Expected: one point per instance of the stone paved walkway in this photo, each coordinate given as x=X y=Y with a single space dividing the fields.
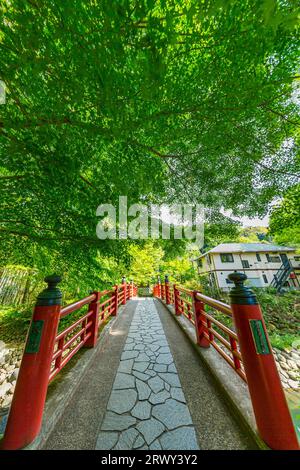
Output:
x=147 y=407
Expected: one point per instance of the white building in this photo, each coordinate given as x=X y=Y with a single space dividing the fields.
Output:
x=264 y=264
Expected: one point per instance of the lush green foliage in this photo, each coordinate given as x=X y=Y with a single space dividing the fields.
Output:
x=159 y=100
x=146 y=262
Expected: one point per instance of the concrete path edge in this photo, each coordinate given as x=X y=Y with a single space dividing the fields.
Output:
x=233 y=389
x=64 y=391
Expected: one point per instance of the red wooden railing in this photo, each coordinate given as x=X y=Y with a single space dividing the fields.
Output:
x=84 y=331
x=47 y=352
x=218 y=335
x=247 y=350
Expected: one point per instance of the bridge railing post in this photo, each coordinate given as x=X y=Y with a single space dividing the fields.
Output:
x=176 y=300
x=124 y=285
x=26 y=412
x=167 y=290
x=200 y=322
x=116 y=300
x=94 y=307
x=270 y=407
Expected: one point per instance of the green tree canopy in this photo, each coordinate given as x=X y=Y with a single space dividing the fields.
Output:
x=160 y=100
x=146 y=262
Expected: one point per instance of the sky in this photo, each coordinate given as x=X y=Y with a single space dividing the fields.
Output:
x=255 y=222
x=245 y=221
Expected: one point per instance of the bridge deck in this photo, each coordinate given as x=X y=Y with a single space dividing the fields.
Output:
x=147 y=390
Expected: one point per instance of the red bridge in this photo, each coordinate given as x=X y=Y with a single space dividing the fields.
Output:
x=151 y=389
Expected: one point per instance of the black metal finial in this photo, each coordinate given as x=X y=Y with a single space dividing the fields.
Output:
x=241 y=294
x=52 y=295
x=166 y=278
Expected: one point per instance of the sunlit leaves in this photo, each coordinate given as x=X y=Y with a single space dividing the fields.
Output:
x=171 y=99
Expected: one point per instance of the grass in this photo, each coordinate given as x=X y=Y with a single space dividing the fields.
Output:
x=285 y=341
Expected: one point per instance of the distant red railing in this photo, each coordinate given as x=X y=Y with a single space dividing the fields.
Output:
x=47 y=352
x=84 y=331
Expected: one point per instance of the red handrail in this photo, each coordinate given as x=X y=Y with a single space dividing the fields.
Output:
x=70 y=340
x=183 y=298
x=76 y=305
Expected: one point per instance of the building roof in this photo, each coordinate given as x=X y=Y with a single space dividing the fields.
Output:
x=247 y=248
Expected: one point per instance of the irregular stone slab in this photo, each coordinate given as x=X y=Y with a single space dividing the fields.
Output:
x=164 y=359
x=142 y=410
x=151 y=372
x=177 y=394
x=134 y=336
x=123 y=381
x=139 y=442
x=172 y=413
x=128 y=340
x=160 y=397
x=155 y=445
x=162 y=342
x=106 y=440
x=150 y=429
x=126 y=366
x=127 y=439
x=142 y=357
x=114 y=422
x=129 y=347
x=156 y=384
x=121 y=401
x=160 y=368
x=143 y=389
x=180 y=439
x=129 y=355
x=141 y=366
x=171 y=378
x=141 y=375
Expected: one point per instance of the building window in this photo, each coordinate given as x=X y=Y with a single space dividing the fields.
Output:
x=265 y=278
x=245 y=263
x=297 y=258
x=273 y=259
x=227 y=258
x=258 y=257
x=200 y=263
